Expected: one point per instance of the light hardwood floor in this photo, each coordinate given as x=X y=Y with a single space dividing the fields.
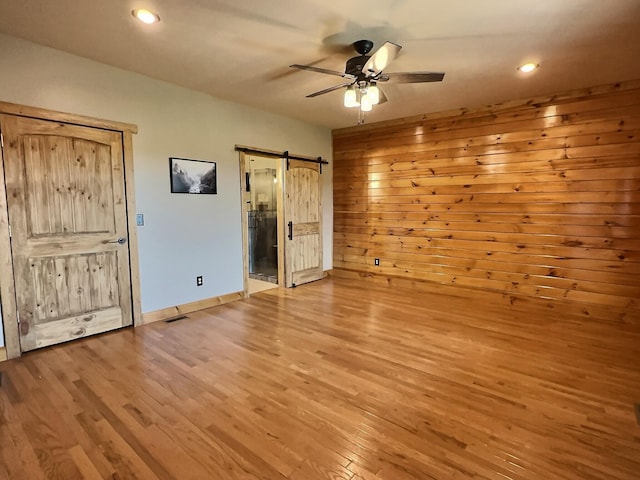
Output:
x=257 y=286
x=338 y=379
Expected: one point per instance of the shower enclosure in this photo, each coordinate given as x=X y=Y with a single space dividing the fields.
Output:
x=263 y=224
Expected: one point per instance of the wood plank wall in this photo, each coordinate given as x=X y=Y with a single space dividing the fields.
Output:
x=537 y=198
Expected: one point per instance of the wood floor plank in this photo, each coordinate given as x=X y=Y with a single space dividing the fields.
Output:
x=339 y=379
x=84 y=464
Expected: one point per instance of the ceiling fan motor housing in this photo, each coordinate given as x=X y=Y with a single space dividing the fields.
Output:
x=363 y=46
x=356 y=64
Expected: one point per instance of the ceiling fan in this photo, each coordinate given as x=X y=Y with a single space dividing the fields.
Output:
x=365 y=71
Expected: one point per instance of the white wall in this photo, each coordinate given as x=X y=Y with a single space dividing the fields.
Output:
x=184 y=235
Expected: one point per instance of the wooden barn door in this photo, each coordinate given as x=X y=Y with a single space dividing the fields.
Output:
x=303 y=222
x=68 y=222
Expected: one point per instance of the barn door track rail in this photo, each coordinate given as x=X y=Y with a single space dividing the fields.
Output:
x=286 y=155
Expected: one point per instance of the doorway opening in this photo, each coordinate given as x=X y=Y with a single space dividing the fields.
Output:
x=281 y=219
x=262 y=201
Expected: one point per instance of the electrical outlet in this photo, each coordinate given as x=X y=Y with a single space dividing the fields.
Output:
x=376 y=262
x=139 y=219
x=199 y=281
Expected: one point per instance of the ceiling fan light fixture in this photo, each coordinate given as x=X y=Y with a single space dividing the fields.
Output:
x=365 y=103
x=145 y=16
x=528 y=67
x=362 y=73
x=350 y=98
x=373 y=93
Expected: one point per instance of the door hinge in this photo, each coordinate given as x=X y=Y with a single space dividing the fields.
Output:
x=9 y=231
x=18 y=316
x=1 y=140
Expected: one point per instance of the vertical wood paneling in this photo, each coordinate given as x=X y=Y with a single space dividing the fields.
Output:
x=50 y=298
x=38 y=281
x=79 y=165
x=100 y=210
x=64 y=185
x=84 y=281
x=94 y=283
x=39 y=215
x=74 y=282
x=64 y=178
x=533 y=199
x=62 y=286
x=71 y=285
x=101 y=280
x=56 y=151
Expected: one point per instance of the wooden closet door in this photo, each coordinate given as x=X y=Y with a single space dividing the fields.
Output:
x=303 y=222
x=67 y=214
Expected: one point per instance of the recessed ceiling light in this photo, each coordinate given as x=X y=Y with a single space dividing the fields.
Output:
x=145 y=16
x=528 y=67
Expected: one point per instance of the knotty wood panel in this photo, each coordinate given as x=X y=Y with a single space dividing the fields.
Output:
x=7 y=286
x=537 y=198
x=303 y=211
x=66 y=203
x=348 y=378
x=71 y=285
x=68 y=192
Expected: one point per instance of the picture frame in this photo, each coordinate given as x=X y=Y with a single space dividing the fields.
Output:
x=193 y=176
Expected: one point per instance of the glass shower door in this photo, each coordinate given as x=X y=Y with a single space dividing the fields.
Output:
x=263 y=226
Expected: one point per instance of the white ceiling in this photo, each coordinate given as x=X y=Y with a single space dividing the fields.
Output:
x=240 y=50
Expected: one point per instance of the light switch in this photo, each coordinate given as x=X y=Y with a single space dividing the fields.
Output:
x=139 y=219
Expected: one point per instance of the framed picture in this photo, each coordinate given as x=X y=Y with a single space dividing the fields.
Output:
x=192 y=176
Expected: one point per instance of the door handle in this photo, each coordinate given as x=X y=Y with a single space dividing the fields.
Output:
x=290 y=230
x=120 y=241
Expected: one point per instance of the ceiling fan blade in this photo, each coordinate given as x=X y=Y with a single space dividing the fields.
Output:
x=381 y=59
x=330 y=89
x=411 y=77
x=322 y=70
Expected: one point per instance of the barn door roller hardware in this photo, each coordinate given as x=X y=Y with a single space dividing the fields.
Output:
x=286 y=155
x=318 y=160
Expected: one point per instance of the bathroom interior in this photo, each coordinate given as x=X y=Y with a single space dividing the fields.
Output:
x=263 y=219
